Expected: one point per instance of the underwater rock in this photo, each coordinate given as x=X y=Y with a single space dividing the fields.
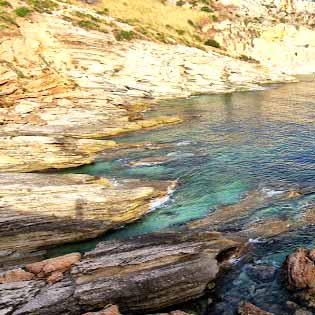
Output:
x=144 y=273
x=41 y=210
x=261 y=273
x=299 y=270
x=150 y=161
x=246 y=308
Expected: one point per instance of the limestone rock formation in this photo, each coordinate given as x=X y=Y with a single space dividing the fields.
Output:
x=41 y=210
x=143 y=273
x=63 y=87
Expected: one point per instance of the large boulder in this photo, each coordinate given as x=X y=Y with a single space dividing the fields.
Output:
x=299 y=269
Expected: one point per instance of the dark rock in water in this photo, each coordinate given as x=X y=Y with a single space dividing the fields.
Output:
x=297 y=310
x=141 y=274
x=299 y=269
x=261 y=273
x=250 y=309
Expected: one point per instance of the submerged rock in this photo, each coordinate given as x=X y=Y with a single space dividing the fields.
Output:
x=250 y=309
x=261 y=273
x=140 y=274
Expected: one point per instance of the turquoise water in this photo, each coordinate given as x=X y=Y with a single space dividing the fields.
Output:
x=229 y=145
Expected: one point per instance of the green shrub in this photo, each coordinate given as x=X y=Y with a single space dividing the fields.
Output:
x=206 y=9
x=43 y=5
x=215 y=18
x=180 y=32
x=105 y=11
x=22 y=11
x=7 y=19
x=4 y=3
x=124 y=35
x=180 y=3
x=89 y=25
x=212 y=43
x=248 y=59
x=190 y=22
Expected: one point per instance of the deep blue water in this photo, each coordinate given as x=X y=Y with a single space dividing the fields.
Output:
x=228 y=145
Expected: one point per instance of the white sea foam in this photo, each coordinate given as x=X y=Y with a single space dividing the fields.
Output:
x=160 y=202
x=256 y=240
x=271 y=192
x=183 y=143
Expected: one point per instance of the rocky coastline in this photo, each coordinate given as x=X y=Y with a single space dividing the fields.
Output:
x=66 y=92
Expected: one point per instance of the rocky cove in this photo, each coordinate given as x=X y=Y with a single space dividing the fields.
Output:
x=98 y=132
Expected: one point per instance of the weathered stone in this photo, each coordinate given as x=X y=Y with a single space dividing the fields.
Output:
x=109 y=310
x=15 y=275
x=138 y=274
x=55 y=277
x=40 y=210
x=250 y=309
x=61 y=263
x=299 y=270
x=53 y=299
x=149 y=272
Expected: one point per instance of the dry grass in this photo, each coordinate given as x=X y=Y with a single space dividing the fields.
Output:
x=153 y=18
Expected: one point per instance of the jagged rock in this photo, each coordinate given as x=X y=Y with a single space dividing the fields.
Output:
x=14 y=294
x=149 y=272
x=138 y=274
x=299 y=270
x=40 y=210
x=250 y=309
x=53 y=299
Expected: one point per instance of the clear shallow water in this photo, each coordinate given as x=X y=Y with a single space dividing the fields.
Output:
x=229 y=145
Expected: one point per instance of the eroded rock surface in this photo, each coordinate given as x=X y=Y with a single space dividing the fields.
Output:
x=140 y=274
x=299 y=269
x=40 y=210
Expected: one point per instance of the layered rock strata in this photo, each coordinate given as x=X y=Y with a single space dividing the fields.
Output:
x=140 y=274
x=41 y=210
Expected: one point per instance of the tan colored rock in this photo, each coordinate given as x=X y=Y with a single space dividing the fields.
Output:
x=15 y=275
x=250 y=309
x=41 y=210
x=299 y=269
x=61 y=263
x=55 y=277
x=109 y=310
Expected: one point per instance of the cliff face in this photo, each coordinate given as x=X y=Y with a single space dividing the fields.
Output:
x=65 y=83
x=278 y=39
